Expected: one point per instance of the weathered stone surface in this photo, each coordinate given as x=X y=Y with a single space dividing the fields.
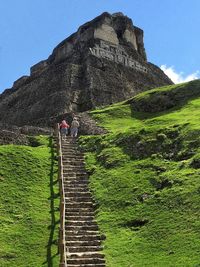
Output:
x=11 y=134
x=9 y=137
x=102 y=63
x=88 y=125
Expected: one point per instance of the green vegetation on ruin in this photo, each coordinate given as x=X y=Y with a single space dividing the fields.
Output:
x=145 y=176
x=29 y=204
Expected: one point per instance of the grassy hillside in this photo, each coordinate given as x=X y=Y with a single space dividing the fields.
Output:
x=28 y=205
x=145 y=177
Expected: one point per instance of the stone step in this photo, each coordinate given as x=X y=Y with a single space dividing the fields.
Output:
x=73 y=158
x=77 y=159
x=76 y=190
x=80 y=218
x=81 y=228
x=83 y=243
x=76 y=179
x=78 y=199
x=80 y=223
x=84 y=202
x=77 y=186
x=83 y=237
x=70 y=169
x=68 y=156
x=81 y=261
x=84 y=249
x=71 y=174
x=73 y=162
x=75 y=183
x=85 y=255
x=79 y=194
x=66 y=144
x=79 y=174
x=82 y=213
x=79 y=205
x=70 y=147
x=71 y=150
x=69 y=142
x=79 y=232
x=74 y=173
x=74 y=167
x=79 y=209
x=70 y=179
x=87 y=265
x=70 y=139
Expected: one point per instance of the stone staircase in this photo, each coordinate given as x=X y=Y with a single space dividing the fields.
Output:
x=83 y=241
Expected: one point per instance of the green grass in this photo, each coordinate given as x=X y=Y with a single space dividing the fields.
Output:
x=28 y=205
x=145 y=177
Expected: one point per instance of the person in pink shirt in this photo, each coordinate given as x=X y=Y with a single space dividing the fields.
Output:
x=64 y=129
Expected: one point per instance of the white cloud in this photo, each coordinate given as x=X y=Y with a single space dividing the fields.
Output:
x=179 y=77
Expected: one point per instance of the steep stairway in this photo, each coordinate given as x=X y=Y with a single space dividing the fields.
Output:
x=83 y=241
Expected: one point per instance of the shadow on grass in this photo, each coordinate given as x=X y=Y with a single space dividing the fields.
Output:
x=142 y=115
x=151 y=115
x=51 y=246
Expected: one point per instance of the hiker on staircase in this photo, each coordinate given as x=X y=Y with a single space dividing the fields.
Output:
x=74 y=127
x=64 y=129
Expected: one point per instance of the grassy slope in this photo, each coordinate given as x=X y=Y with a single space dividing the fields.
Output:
x=27 y=204
x=145 y=177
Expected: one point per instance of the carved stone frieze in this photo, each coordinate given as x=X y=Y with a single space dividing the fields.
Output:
x=116 y=54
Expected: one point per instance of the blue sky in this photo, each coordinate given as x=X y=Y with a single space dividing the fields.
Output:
x=30 y=29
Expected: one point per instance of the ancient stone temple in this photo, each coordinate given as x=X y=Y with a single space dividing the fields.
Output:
x=102 y=63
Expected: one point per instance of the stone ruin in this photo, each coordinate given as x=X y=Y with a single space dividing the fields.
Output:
x=102 y=63
x=11 y=134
